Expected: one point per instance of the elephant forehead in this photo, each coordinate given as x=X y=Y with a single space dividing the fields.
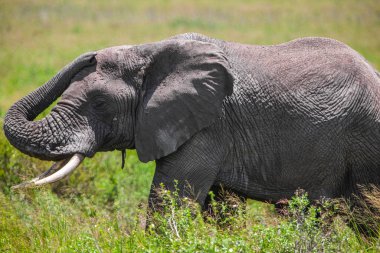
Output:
x=112 y=55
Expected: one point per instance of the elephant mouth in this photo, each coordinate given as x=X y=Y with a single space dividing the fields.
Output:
x=55 y=173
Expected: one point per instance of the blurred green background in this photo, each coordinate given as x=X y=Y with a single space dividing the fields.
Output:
x=38 y=37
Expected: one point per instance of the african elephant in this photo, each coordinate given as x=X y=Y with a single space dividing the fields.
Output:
x=259 y=120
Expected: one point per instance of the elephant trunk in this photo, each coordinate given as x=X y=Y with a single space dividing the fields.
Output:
x=36 y=138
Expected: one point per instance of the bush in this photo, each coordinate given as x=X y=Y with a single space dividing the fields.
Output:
x=362 y=212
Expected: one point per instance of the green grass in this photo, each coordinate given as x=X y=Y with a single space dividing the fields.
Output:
x=100 y=208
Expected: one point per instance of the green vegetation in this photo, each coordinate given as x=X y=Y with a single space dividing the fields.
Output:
x=101 y=208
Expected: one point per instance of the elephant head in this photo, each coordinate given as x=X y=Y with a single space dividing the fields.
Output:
x=151 y=97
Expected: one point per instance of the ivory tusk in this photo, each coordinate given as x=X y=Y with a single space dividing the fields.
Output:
x=74 y=162
x=58 y=171
x=55 y=167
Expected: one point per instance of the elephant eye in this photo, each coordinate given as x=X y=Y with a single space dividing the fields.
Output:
x=100 y=105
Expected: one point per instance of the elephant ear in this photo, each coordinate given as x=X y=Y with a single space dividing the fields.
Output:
x=183 y=90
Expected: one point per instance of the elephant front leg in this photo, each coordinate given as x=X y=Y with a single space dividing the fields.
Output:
x=194 y=186
x=191 y=170
x=187 y=179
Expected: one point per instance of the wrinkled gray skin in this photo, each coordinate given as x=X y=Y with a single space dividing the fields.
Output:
x=259 y=120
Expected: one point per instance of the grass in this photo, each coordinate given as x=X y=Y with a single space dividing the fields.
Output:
x=100 y=208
